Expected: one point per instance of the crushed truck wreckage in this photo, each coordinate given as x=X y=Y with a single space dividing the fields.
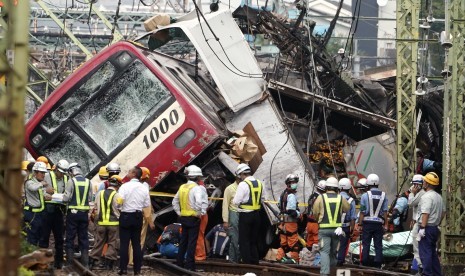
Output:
x=187 y=101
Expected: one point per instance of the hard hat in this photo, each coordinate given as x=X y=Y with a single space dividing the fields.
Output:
x=145 y=172
x=321 y=185
x=74 y=169
x=341 y=51
x=102 y=172
x=72 y=165
x=62 y=166
x=291 y=178
x=193 y=170
x=24 y=165
x=113 y=168
x=241 y=168
x=345 y=184
x=42 y=159
x=431 y=178
x=40 y=167
x=362 y=183
x=332 y=182
x=417 y=179
x=48 y=166
x=115 y=180
x=372 y=180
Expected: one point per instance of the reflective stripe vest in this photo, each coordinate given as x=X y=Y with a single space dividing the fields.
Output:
x=332 y=212
x=41 y=198
x=106 y=214
x=375 y=203
x=255 y=195
x=186 y=209
x=79 y=200
x=53 y=177
x=346 y=222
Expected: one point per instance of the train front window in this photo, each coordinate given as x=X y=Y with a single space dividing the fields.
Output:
x=69 y=144
x=79 y=97
x=118 y=112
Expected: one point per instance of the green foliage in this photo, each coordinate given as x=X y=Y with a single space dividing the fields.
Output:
x=26 y=247
x=22 y=271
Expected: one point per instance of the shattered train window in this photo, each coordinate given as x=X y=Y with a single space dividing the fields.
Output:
x=68 y=145
x=101 y=77
x=129 y=100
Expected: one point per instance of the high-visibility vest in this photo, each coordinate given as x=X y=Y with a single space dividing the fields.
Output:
x=255 y=195
x=332 y=213
x=79 y=200
x=41 y=198
x=106 y=214
x=346 y=223
x=186 y=209
x=375 y=203
x=53 y=177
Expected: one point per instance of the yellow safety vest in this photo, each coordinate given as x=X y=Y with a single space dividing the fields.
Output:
x=80 y=202
x=53 y=177
x=186 y=209
x=105 y=209
x=332 y=212
x=255 y=196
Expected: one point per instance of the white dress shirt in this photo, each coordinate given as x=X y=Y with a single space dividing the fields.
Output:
x=135 y=196
x=198 y=200
x=243 y=194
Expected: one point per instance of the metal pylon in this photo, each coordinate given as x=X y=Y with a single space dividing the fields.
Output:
x=407 y=56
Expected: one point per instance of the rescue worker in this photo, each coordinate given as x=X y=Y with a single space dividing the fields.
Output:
x=289 y=215
x=248 y=198
x=112 y=169
x=103 y=176
x=432 y=211
x=328 y=209
x=200 y=250
x=373 y=215
x=361 y=186
x=312 y=221
x=54 y=213
x=231 y=221
x=168 y=242
x=348 y=220
x=425 y=165
x=77 y=194
x=190 y=203
x=147 y=212
x=217 y=242
x=107 y=214
x=399 y=213
x=134 y=197
x=24 y=170
x=34 y=204
x=413 y=201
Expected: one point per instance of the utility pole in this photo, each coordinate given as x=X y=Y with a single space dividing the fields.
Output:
x=453 y=177
x=407 y=56
x=14 y=55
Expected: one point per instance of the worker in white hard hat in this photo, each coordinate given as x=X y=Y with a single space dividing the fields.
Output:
x=348 y=220
x=373 y=220
x=53 y=221
x=249 y=197
x=416 y=192
x=311 y=236
x=328 y=209
x=36 y=192
x=190 y=203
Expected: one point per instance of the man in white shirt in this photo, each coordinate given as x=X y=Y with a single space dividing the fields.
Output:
x=416 y=192
x=248 y=198
x=190 y=203
x=133 y=198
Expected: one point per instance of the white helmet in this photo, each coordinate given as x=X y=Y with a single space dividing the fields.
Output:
x=291 y=178
x=62 y=166
x=242 y=168
x=74 y=169
x=113 y=168
x=40 y=167
x=321 y=185
x=341 y=51
x=345 y=184
x=332 y=182
x=417 y=179
x=193 y=170
x=362 y=182
x=372 y=180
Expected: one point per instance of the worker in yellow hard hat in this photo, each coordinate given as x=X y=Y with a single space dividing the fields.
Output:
x=103 y=175
x=24 y=171
x=42 y=159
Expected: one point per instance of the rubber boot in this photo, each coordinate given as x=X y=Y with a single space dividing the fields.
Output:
x=69 y=257
x=85 y=258
x=58 y=263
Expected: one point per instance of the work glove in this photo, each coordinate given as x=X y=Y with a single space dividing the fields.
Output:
x=421 y=234
x=339 y=232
